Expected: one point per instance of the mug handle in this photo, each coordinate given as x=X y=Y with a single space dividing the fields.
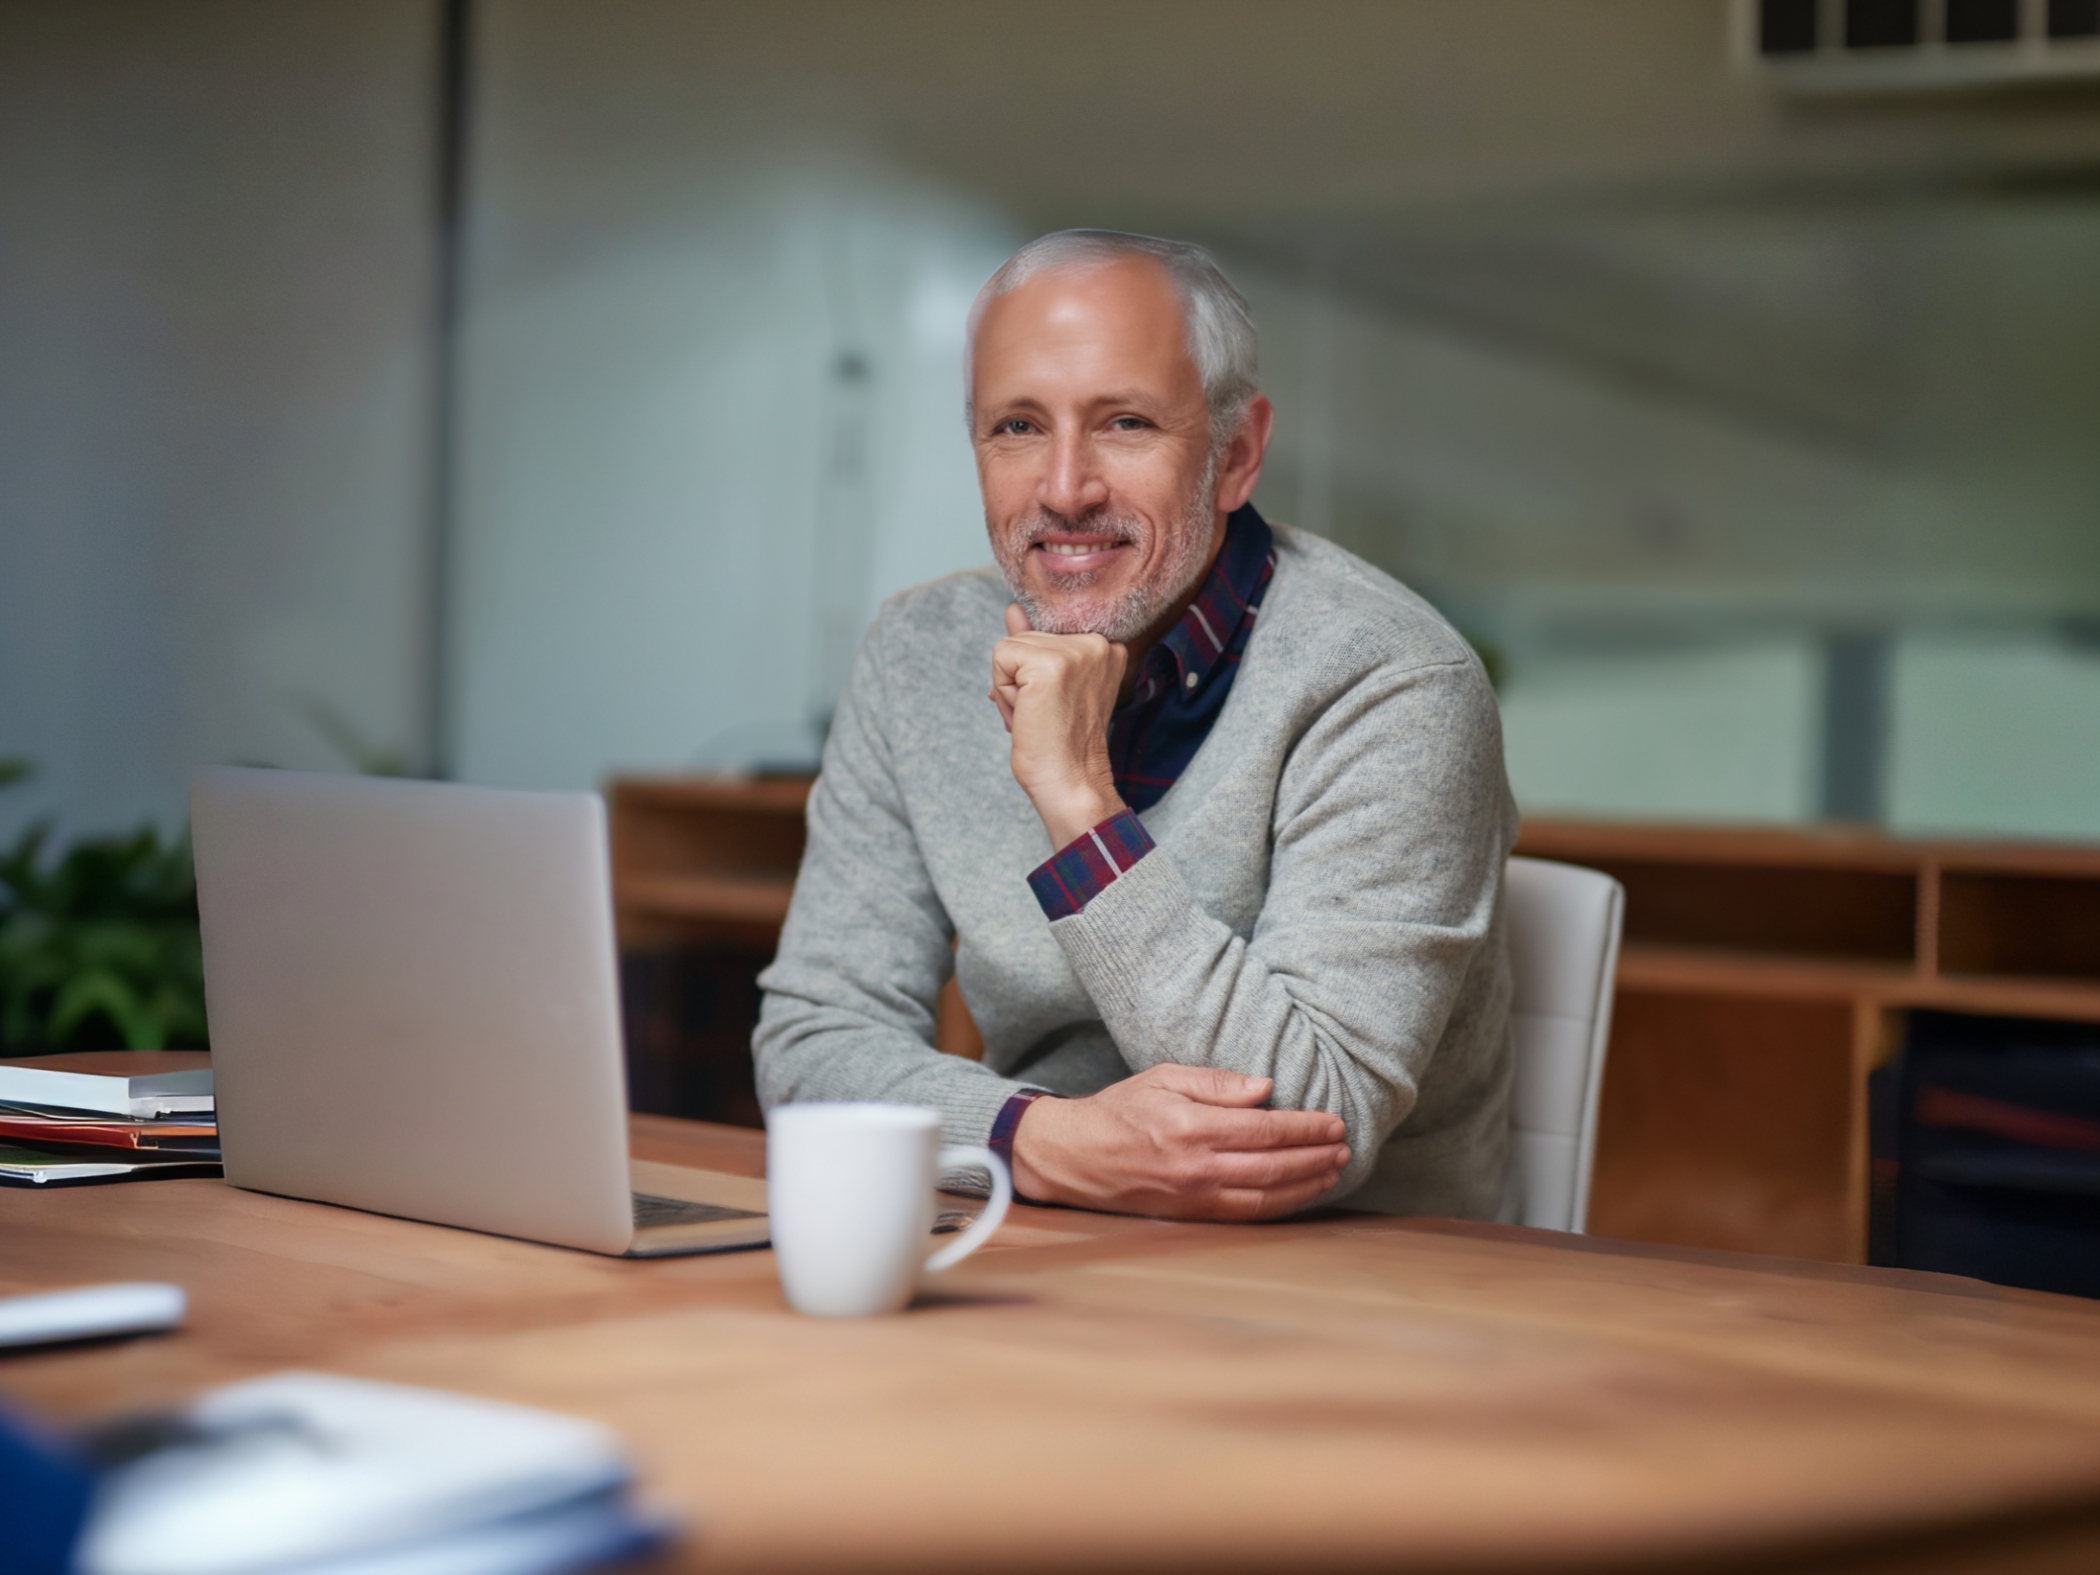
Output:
x=994 y=1211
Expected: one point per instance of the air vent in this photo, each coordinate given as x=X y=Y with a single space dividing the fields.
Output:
x=1850 y=46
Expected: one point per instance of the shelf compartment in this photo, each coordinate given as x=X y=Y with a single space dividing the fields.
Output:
x=1854 y=915
x=2012 y=925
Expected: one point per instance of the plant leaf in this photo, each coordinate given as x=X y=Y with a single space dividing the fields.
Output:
x=101 y=990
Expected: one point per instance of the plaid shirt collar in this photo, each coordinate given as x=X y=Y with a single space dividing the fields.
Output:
x=1202 y=635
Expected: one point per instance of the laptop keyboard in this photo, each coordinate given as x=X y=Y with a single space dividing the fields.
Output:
x=649 y=1209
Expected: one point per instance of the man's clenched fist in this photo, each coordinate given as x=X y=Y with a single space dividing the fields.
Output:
x=1055 y=692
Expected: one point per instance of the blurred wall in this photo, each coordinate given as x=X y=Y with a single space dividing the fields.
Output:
x=1998 y=732
x=707 y=426
x=1826 y=424
x=1754 y=438
x=215 y=264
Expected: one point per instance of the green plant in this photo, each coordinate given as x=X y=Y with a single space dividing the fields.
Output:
x=99 y=945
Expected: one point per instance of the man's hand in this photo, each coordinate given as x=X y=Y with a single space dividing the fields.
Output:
x=1181 y=1142
x=1055 y=692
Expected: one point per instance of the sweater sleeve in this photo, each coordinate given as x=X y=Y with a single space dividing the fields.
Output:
x=1390 y=829
x=849 y=999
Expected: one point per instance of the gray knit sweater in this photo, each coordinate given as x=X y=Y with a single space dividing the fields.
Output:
x=1324 y=906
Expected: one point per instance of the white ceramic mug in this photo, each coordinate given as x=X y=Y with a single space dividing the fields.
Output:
x=849 y=1195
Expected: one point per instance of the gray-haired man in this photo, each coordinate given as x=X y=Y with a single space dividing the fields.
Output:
x=1219 y=865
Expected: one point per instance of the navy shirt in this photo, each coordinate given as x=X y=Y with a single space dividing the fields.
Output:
x=1185 y=678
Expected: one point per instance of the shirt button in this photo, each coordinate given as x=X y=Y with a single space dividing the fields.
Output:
x=1190 y=680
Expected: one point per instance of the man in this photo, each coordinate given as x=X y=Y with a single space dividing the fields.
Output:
x=1218 y=867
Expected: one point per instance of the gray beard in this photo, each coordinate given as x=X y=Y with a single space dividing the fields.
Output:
x=1137 y=609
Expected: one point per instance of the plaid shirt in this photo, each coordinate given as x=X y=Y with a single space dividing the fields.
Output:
x=1180 y=691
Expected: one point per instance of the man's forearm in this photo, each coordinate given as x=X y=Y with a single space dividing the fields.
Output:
x=822 y=1036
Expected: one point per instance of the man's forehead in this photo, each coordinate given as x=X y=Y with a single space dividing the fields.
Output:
x=1119 y=311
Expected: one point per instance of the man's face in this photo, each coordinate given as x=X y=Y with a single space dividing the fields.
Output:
x=1093 y=448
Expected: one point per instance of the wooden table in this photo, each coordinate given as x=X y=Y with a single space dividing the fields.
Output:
x=1099 y=1392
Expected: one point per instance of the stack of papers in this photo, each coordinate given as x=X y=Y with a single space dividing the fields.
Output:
x=306 y=1473
x=118 y=1115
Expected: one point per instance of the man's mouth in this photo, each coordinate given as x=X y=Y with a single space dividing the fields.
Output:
x=1079 y=554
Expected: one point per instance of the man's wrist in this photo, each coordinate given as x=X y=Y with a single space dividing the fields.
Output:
x=1006 y=1127
x=1070 y=815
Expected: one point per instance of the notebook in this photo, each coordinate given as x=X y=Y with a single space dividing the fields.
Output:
x=28 y=1167
x=44 y=1128
x=148 y=1083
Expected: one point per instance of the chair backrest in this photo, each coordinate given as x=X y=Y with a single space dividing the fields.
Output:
x=1563 y=925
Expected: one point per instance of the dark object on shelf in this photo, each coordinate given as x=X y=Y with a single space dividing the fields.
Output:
x=1786 y=27
x=1982 y=21
x=1987 y=1152
x=689 y=1013
x=1884 y=1134
x=2074 y=18
x=1880 y=24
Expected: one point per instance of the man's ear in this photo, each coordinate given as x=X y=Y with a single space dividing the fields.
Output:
x=1243 y=455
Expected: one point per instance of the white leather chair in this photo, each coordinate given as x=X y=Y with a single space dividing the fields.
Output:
x=1563 y=925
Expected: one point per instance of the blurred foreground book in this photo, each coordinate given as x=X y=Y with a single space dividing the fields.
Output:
x=306 y=1473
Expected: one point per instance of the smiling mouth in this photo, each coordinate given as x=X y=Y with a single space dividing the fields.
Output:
x=1085 y=554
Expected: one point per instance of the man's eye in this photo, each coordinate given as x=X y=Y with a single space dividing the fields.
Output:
x=1130 y=423
x=1014 y=426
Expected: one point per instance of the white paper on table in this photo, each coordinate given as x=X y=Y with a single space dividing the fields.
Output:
x=89 y=1312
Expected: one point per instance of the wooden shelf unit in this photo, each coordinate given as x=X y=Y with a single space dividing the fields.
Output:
x=708 y=861
x=699 y=859
x=1765 y=973
x=703 y=869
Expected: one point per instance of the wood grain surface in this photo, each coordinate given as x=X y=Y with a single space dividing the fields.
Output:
x=1107 y=1393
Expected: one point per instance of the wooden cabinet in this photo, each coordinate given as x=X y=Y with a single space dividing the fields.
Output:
x=1765 y=973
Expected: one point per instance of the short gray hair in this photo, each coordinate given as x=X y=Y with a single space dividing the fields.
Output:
x=1220 y=328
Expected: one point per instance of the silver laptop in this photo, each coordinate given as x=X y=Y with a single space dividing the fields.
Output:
x=415 y=1010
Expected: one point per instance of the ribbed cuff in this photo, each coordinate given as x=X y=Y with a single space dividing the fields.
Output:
x=1088 y=865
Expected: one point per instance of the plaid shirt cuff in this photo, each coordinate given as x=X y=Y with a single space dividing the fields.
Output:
x=1088 y=865
x=1001 y=1142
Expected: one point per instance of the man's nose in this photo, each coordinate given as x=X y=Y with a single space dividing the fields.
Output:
x=1074 y=483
